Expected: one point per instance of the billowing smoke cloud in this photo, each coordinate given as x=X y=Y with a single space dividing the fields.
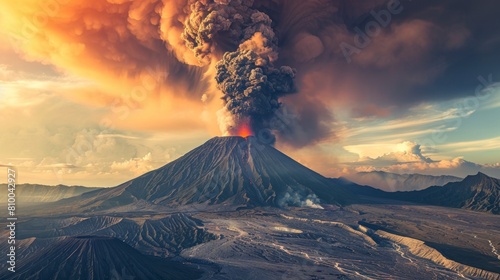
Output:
x=239 y=51
x=211 y=23
x=250 y=83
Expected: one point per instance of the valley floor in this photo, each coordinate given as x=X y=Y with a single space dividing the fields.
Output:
x=379 y=240
x=357 y=242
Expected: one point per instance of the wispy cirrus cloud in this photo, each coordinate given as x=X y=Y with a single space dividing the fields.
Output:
x=420 y=116
x=419 y=121
x=494 y=103
x=472 y=146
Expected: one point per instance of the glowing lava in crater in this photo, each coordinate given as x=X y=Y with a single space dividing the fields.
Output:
x=244 y=130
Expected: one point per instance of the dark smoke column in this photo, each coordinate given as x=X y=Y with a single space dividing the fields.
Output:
x=246 y=74
x=251 y=84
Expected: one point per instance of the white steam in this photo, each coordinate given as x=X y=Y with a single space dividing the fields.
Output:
x=295 y=199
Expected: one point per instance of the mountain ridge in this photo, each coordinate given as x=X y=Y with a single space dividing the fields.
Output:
x=36 y=193
x=475 y=192
x=392 y=182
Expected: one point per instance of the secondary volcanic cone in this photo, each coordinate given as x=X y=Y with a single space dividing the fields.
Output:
x=97 y=257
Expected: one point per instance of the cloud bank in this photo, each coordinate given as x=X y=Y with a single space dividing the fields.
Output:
x=161 y=51
x=407 y=157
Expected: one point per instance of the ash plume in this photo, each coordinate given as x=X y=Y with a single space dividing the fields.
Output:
x=252 y=85
x=246 y=74
x=240 y=50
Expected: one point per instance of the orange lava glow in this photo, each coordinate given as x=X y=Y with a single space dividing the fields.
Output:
x=244 y=130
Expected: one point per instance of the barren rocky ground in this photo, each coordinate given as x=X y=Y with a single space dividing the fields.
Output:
x=381 y=240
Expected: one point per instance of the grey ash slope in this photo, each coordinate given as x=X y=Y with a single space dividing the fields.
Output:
x=224 y=170
x=92 y=257
x=478 y=192
x=164 y=235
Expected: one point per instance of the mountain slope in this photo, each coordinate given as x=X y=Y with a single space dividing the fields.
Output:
x=476 y=192
x=224 y=170
x=392 y=182
x=94 y=257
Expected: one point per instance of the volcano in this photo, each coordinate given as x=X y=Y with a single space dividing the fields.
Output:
x=223 y=171
x=98 y=257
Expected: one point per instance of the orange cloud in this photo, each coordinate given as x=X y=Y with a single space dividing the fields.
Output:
x=116 y=44
x=122 y=45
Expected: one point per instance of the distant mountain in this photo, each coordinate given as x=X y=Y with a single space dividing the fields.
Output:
x=34 y=193
x=392 y=182
x=223 y=171
x=476 y=192
x=95 y=257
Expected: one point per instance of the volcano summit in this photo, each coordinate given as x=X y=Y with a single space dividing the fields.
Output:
x=227 y=171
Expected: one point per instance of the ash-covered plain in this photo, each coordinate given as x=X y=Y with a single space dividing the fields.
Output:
x=360 y=241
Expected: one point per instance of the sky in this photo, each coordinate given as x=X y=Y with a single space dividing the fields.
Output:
x=95 y=93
